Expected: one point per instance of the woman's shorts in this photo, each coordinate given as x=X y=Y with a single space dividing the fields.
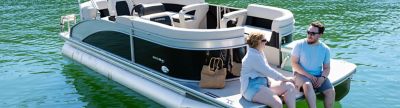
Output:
x=254 y=86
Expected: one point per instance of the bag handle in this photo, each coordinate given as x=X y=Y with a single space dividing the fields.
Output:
x=219 y=60
x=210 y=68
x=212 y=60
x=215 y=61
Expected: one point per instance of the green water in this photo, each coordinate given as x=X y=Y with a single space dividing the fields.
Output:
x=33 y=73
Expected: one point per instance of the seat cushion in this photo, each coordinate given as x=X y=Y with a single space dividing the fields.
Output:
x=267 y=33
x=163 y=17
x=175 y=17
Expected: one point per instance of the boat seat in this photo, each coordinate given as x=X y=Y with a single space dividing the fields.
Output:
x=138 y=2
x=267 y=33
x=163 y=18
x=184 y=19
x=89 y=11
x=120 y=7
x=154 y=12
x=157 y=12
x=148 y=9
x=102 y=7
x=274 y=23
x=277 y=20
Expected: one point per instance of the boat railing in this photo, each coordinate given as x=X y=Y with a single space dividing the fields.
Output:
x=67 y=20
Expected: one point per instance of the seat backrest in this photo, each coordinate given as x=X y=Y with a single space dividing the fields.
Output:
x=101 y=6
x=268 y=17
x=137 y=2
x=255 y=16
x=147 y=9
x=120 y=7
x=200 y=11
x=265 y=12
x=239 y=16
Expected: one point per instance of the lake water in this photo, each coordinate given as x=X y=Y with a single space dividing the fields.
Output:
x=33 y=73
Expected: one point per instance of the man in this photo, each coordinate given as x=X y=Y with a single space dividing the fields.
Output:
x=311 y=65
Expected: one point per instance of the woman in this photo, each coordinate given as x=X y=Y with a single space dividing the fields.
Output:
x=254 y=81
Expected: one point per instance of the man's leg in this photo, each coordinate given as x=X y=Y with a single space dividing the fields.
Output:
x=308 y=89
x=329 y=93
x=329 y=98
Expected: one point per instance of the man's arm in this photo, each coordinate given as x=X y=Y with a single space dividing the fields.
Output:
x=324 y=75
x=327 y=63
x=297 y=68
x=326 y=67
x=326 y=70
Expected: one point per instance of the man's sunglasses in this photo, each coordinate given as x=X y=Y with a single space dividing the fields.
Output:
x=312 y=33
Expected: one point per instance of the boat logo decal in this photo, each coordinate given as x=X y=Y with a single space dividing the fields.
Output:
x=164 y=69
x=158 y=59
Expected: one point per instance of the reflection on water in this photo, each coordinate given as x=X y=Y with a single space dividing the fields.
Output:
x=33 y=72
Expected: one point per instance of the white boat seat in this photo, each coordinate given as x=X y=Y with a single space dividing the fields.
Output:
x=175 y=17
x=163 y=18
x=138 y=2
x=277 y=20
x=274 y=23
x=154 y=12
x=185 y=20
x=120 y=7
x=267 y=33
x=147 y=9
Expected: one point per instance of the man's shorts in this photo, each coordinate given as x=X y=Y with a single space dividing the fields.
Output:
x=301 y=79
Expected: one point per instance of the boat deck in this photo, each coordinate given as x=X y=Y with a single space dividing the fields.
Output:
x=230 y=94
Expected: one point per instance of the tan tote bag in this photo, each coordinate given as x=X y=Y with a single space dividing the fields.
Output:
x=236 y=67
x=213 y=75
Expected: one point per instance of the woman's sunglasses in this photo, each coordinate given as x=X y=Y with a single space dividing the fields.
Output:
x=264 y=40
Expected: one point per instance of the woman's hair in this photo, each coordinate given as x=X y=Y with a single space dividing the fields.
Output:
x=253 y=39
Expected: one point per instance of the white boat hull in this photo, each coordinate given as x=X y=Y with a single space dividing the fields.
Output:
x=152 y=90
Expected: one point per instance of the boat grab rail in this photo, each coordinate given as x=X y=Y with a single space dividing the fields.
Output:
x=67 y=19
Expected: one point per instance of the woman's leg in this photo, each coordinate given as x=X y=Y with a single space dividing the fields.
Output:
x=308 y=90
x=288 y=90
x=265 y=96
